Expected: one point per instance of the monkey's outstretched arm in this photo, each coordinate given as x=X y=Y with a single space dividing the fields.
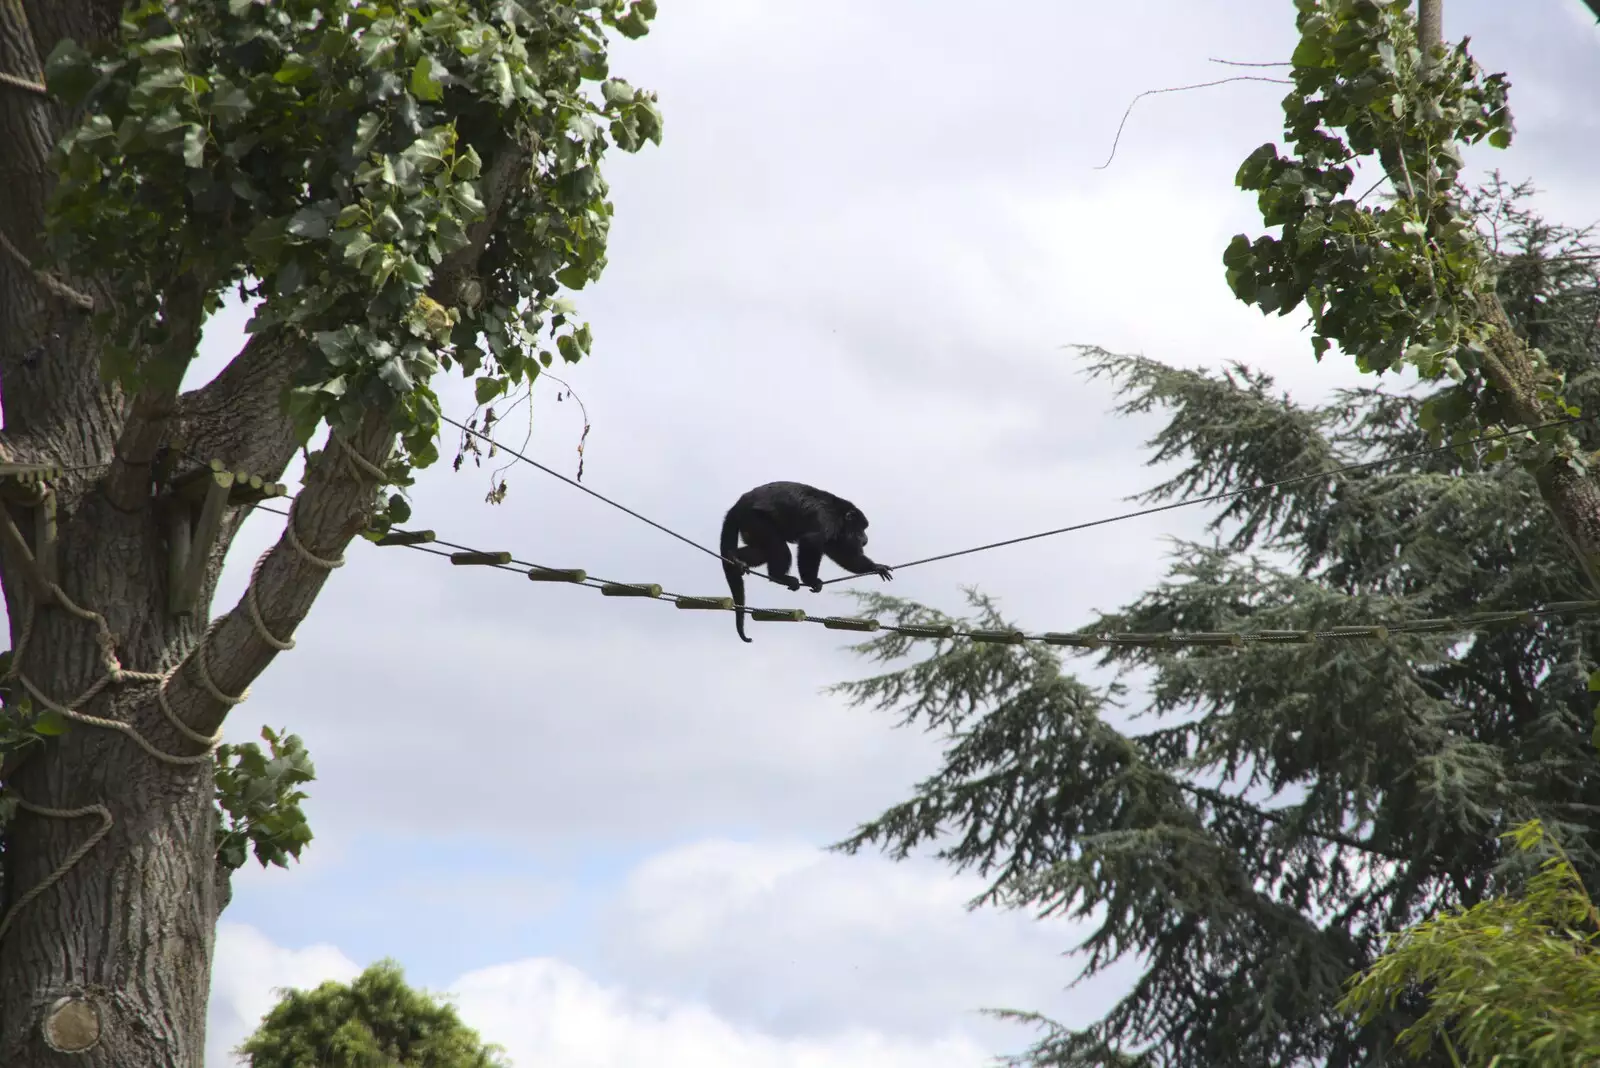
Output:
x=858 y=562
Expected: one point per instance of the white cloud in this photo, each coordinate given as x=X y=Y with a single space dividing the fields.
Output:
x=800 y=941
x=246 y=972
x=727 y=952
x=549 y=1014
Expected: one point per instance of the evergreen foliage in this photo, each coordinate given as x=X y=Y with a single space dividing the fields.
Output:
x=1271 y=813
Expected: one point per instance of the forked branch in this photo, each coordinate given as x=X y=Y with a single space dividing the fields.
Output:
x=329 y=512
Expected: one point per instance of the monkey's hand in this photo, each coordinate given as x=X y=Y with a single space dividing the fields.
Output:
x=790 y=583
x=884 y=572
x=815 y=585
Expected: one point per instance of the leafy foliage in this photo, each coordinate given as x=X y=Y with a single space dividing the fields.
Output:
x=21 y=724
x=1267 y=815
x=1391 y=282
x=1398 y=282
x=1515 y=980
x=375 y=1021
x=328 y=155
x=259 y=797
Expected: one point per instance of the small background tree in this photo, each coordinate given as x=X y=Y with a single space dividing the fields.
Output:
x=374 y=1021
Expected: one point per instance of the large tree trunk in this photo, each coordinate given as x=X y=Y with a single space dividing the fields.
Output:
x=111 y=890
x=128 y=927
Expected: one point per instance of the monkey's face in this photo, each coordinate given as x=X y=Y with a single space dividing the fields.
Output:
x=855 y=528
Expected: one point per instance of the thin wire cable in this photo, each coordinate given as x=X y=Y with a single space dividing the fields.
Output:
x=1081 y=640
x=1382 y=461
x=1185 y=503
x=1364 y=465
x=598 y=496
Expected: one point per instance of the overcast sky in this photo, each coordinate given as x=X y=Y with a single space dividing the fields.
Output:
x=854 y=262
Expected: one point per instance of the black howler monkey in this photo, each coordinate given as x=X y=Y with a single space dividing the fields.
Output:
x=771 y=516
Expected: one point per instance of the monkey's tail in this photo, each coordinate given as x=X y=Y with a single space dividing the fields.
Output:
x=735 y=574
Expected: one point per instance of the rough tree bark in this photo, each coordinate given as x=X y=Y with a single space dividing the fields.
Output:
x=1512 y=369
x=127 y=929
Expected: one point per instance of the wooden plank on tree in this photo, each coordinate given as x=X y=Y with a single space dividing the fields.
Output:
x=200 y=545
x=19 y=547
x=44 y=536
x=180 y=534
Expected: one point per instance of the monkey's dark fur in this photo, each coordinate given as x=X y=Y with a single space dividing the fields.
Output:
x=770 y=517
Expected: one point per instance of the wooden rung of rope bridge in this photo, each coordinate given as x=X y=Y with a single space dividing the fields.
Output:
x=1067 y=639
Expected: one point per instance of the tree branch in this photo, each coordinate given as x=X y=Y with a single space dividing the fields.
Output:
x=239 y=416
x=1573 y=496
x=1223 y=800
x=505 y=172
x=127 y=484
x=1513 y=371
x=329 y=512
x=1430 y=26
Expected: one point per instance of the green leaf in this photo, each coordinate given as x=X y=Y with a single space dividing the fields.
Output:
x=51 y=723
x=296 y=70
x=194 y=146
x=356 y=246
x=393 y=374
x=312 y=222
x=230 y=103
x=367 y=129
x=168 y=45
x=467 y=165
x=414 y=273
x=424 y=86
x=625 y=132
x=633 y=25
x=647 y=117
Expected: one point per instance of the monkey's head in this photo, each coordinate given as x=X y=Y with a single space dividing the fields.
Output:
x=855 y=526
